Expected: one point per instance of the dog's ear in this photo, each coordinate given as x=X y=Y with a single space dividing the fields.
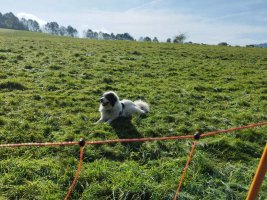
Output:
x=112 y=98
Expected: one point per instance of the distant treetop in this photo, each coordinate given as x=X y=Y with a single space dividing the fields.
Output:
x=10 y=21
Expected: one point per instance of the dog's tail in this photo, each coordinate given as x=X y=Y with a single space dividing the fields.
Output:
x=142 y=105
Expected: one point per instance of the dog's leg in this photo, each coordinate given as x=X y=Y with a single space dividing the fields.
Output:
x=139 y=111
x=105 y=120
x=111 y=119
x=100 y=120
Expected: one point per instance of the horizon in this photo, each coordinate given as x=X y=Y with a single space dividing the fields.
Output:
x=210 y=22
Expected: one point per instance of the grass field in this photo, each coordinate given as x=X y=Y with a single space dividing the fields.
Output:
x=49 y=92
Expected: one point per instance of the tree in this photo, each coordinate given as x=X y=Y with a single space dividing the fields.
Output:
x=223 y=44
x=251 y=45
x=179 y=38
x=63 y=31
x=169 y=40
x=32 y=25
x=124 y=36
x=155 y=39
x=52 y=27
x=127 y=36
x=106 y=36
x=100 y=35
x=9 y=20
x=91 y=34
x=147 y=39
x=112 y=36
x=72 y=32
x=1 y=20
x=141 y=39
x=118 y=36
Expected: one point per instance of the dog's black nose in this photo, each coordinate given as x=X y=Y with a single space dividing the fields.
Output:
x=101 y=99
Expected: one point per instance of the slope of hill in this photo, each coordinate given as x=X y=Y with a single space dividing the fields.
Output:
x=50 y=88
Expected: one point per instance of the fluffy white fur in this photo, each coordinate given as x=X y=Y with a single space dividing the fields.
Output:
x=111 y=107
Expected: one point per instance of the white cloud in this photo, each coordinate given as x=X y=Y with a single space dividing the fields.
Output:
x=31 y=16
x=143 y=6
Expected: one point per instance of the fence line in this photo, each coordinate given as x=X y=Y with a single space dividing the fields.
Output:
x=134 y=139
x=82 y=144
x=233 y=129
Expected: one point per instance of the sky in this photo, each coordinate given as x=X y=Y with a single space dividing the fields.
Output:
x=237 y=22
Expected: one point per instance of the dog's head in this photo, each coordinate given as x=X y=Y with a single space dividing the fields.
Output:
x=109 y=99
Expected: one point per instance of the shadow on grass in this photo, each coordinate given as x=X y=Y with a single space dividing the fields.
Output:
x=126 y=130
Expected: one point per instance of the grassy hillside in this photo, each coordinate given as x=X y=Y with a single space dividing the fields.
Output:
x=49 y=91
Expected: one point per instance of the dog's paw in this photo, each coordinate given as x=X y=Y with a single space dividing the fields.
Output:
x=109 y=121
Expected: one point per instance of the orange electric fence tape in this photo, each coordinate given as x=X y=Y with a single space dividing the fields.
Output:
x=82 y=143
x=133 y=140
x=185 y=169
x=259 y=176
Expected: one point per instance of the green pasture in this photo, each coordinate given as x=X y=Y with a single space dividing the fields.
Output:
x=49 y=92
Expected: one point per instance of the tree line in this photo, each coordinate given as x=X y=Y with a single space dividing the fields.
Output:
x=106 y=36
x=10 y=21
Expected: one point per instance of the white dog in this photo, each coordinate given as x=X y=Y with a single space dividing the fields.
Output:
x=111 y=107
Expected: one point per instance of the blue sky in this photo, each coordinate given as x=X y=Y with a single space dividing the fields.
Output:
x=237 y=22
